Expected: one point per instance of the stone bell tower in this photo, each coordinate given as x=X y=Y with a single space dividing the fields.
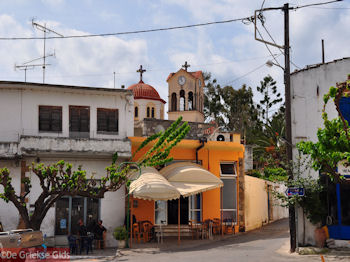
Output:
x=185 y=95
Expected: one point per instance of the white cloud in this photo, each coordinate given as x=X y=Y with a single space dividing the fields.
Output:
x=78 y=61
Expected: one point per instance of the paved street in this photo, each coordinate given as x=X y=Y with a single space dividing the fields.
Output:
x=268 y=244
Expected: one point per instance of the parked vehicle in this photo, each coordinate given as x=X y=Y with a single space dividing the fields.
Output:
x=15 y=244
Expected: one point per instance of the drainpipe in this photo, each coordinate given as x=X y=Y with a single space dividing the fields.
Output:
x=202 y=141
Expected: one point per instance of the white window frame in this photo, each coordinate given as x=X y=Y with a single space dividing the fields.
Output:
x=230 y=177
x=166 y=212
x=190 y=210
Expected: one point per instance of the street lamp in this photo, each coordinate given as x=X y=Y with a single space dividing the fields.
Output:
x=269 y=63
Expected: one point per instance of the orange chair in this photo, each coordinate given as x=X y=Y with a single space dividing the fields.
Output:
x=136 y=232
x=216 y=226
x=147 y=231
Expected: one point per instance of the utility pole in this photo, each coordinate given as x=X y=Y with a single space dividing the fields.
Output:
x=286 y=70
x=292 y=224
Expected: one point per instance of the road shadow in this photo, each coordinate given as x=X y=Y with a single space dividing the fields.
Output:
x=275 y=230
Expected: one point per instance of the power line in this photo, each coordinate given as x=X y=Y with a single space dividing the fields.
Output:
x=252 y=71
x=128 y=32
x=316 y=4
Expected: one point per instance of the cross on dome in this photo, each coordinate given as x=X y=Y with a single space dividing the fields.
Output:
x=141 y=71
x=186 y=66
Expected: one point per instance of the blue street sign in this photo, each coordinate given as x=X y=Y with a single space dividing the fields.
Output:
x=295 y=191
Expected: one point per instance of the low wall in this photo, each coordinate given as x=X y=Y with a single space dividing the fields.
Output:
x=261 y=207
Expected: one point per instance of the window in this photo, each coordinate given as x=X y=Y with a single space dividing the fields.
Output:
x=148 y=111
x=229 y=191
x=136 y=112
x=195 y=209
x=50 y=118
x=70 y=209
x=107 y=120
x=182 y=100
x=79 y=121
x=190 y=101
x=152 y=112
x=160 y=208
x=173 y=102
x=228 y=169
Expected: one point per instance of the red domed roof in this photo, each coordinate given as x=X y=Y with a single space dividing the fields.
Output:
x=144 y=91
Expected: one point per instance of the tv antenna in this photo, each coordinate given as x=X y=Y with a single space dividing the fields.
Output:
x=27 y=65
x=46 y=30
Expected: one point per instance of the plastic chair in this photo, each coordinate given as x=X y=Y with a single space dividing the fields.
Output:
x=216 y=226
x=147 y=231
x=136 y=232
x=194 y=229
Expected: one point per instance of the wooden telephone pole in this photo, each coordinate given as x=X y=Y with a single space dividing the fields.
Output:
x=286 y=69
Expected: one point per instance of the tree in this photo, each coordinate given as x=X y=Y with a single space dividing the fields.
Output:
x=60 y=179
x=333 y=140
x=213 y=107
x=271 y=97
x=232 y=109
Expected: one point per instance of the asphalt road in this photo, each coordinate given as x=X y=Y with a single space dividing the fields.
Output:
x=269 y=244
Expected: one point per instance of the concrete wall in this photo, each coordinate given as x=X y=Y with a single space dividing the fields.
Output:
x=308 y=87
x=20 y=140
x=20 y=107
x=256 y=206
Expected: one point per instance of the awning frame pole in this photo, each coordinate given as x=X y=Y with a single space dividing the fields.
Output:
x=178 y=221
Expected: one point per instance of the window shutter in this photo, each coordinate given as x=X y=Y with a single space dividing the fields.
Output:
x=50 y=118
x=74 y=119
x=107 y=120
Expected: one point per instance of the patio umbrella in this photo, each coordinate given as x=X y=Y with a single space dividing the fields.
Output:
x=190 y=179
x=151 y=185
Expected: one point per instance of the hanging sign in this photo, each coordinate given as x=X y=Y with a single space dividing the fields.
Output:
x=295 y=191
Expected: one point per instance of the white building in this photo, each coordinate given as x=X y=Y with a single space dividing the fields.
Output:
x=82 y=125
x=308 y=86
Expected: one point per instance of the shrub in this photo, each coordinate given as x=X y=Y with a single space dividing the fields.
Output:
x=120 y=233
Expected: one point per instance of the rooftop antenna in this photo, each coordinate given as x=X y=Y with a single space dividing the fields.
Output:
x=28 y=65
x=46 y=30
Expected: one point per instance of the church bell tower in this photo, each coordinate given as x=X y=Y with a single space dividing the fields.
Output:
x=185 y=95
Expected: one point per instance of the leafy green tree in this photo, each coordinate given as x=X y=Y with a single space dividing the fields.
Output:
x=232 y=109
x=333 y=140
x=60 y=179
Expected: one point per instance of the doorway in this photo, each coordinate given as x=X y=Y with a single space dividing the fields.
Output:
x=173 y=211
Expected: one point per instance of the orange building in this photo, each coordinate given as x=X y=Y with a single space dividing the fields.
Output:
x=222 y=157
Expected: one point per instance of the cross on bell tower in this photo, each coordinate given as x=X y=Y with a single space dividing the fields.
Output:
x=186 y=66
x=141 y=71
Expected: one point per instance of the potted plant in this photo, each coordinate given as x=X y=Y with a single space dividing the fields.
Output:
x=120 y=234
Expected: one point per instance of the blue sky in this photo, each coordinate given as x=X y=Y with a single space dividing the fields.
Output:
x=228 y=51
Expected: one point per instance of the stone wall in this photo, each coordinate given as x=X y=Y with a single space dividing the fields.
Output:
x=150 y=126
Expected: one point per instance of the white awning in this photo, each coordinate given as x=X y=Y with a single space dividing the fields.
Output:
x=151 y=185
x=190 y=179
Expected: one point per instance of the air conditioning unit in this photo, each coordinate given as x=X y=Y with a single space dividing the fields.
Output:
x=221 y=136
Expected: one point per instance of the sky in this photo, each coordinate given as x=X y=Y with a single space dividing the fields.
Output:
x=228 y=51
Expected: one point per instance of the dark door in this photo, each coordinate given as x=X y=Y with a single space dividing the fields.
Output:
x=173 y=211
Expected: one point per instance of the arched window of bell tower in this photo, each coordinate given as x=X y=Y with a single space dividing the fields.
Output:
x=173 y=102
x=182 y=100
x=190 y=101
